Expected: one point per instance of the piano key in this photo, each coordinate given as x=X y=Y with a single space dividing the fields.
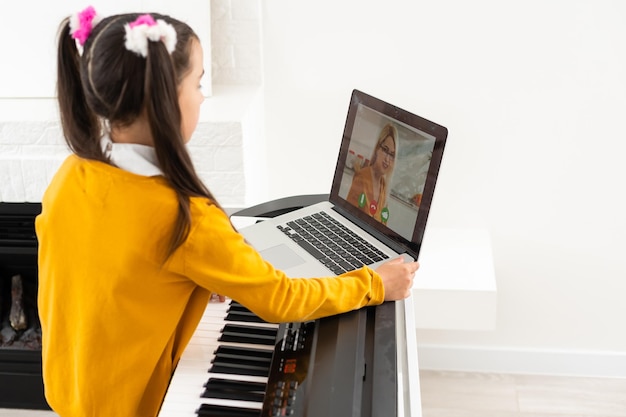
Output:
x=223 y=402
x=235 y=306
x=243 y=316
x=264 y=355
x=237 y=367
x=237 y=312
x=183 y=397
x=207 y=410
x=248 y=334
x=234 y=390
x=257 y=356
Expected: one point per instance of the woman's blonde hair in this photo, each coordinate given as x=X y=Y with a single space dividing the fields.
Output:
x=388 y=130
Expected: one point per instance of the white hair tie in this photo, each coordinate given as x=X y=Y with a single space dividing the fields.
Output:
x=145 y=29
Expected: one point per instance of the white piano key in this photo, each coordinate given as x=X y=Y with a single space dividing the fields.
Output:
x=232 y=403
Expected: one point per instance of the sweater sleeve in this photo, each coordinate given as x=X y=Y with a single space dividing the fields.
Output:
x=216 y=257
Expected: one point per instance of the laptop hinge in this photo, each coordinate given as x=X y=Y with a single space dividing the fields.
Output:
x=397 y=247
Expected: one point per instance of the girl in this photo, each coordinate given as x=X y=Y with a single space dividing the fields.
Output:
x=131 y=242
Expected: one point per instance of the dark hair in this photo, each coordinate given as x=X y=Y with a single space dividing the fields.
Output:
x=110 y=84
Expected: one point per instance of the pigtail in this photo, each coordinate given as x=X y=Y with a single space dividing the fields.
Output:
x=164 y=115
x=165 y=119
x=81 y=127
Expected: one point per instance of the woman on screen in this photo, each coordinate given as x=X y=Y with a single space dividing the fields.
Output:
x=370 y=185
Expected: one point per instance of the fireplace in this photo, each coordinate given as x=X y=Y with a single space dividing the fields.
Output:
x=20 y=331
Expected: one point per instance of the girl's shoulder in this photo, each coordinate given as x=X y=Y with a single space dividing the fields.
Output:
x=202 y=207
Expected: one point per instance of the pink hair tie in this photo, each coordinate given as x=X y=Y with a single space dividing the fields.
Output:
x=144 y=19
x=82 y=23
x=145 y=29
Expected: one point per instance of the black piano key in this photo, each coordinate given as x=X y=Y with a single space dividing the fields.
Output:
x=261 y=351
x=239 y=360
x=248 y=334
x=251 y=354
x=210 y=410
x=237 y=367
x=251 y=329
x=234 y=390
x=235 y=306
x=222 y=383
x=244 y=316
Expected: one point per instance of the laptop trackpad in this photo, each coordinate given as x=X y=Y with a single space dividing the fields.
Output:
x=282 y=257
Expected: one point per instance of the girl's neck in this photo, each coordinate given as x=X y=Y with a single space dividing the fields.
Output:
x=137 y=132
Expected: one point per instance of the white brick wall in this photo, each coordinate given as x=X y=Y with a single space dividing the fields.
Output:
x=235 y=43
x=217 y=153
x=30 y=153
x=31 y=150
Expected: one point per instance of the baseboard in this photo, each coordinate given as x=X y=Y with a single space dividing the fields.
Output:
x=522 y=361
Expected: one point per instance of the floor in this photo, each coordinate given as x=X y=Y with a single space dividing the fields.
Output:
x=455 y=394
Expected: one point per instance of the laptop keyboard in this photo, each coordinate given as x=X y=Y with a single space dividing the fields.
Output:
x=330 y=242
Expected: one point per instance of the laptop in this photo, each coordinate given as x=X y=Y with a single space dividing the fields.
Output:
x=381 y=194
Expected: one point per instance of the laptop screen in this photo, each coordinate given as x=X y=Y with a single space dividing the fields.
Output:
x=387 y=169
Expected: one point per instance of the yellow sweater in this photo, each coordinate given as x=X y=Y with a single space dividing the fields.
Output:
x=115 y=319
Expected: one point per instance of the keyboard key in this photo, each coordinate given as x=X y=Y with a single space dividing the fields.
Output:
x=333 y=244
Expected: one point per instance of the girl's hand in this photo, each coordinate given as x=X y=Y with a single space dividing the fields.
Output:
x=217 y=297
x=397 y=276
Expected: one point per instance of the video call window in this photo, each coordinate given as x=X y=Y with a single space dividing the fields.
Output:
x=385 y=169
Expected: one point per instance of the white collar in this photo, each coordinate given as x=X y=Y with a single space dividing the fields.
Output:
x=132 y=157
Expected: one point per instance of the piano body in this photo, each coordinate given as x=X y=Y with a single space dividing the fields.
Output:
x=361 y=363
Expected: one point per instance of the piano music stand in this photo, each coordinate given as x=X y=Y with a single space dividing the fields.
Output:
x=273 y=208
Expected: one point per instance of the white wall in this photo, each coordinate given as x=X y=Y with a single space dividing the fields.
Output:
x=29 y=66
x=534 y=96
x=228 y=137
